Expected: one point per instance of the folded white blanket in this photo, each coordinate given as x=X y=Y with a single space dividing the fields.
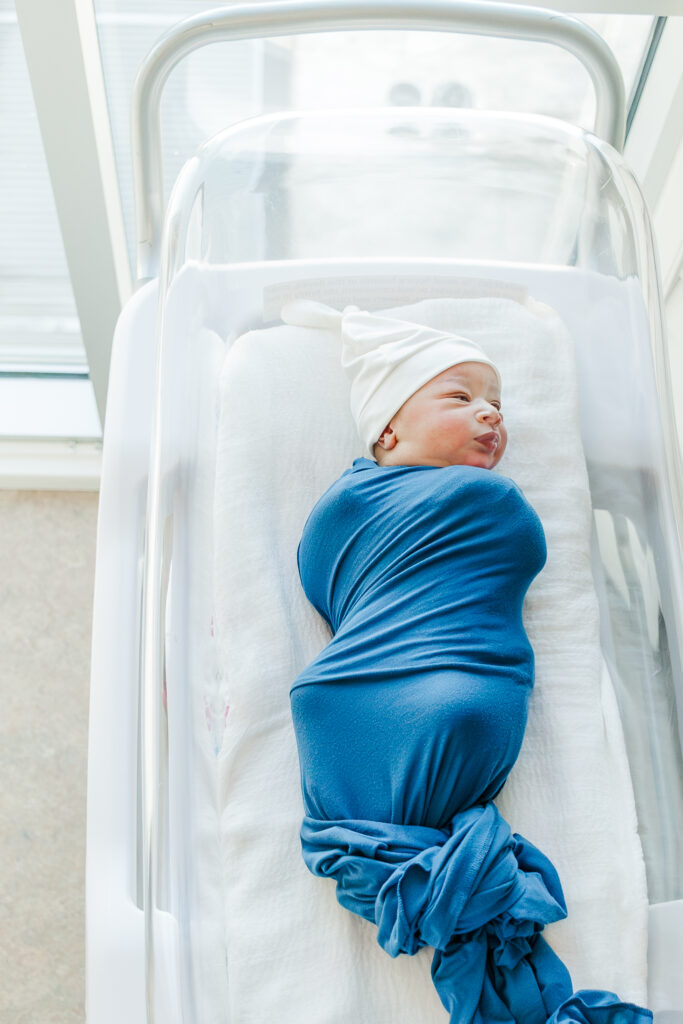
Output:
x=285 y=434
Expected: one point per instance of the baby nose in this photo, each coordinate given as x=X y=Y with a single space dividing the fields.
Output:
x=489 y=414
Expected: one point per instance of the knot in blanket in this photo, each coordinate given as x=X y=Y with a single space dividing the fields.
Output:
x=479 y=875
x=476 y=892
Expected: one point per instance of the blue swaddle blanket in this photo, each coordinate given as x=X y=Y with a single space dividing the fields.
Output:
x=408 y=723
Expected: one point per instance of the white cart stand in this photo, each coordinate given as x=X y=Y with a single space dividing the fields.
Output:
x=358 y=202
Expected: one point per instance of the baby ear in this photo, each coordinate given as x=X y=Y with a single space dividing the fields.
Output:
x=387 y=439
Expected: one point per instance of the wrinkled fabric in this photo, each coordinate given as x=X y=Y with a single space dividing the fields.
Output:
x=408 y=724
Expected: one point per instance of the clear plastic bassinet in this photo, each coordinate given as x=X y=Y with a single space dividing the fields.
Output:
x=367 y=207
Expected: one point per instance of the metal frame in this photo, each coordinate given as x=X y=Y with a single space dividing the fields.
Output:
x=295 y=17
x=654 y=148
x=63 y=58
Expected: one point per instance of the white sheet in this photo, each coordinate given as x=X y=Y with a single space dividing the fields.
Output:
x=285 y=433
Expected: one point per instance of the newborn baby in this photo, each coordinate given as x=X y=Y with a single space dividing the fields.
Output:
x=410 y=719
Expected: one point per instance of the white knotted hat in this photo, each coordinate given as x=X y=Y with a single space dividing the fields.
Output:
x=387 y=360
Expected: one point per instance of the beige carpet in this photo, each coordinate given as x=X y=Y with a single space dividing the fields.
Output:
x=47 y=560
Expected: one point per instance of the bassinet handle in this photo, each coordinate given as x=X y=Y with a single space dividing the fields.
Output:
x=296 y=17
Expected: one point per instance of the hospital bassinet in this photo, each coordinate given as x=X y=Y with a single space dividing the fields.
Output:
x=369 y=207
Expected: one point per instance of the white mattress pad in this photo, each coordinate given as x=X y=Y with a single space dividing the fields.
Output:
x=285 y=434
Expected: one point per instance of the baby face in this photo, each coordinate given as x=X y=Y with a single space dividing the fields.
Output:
x=453 y=419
